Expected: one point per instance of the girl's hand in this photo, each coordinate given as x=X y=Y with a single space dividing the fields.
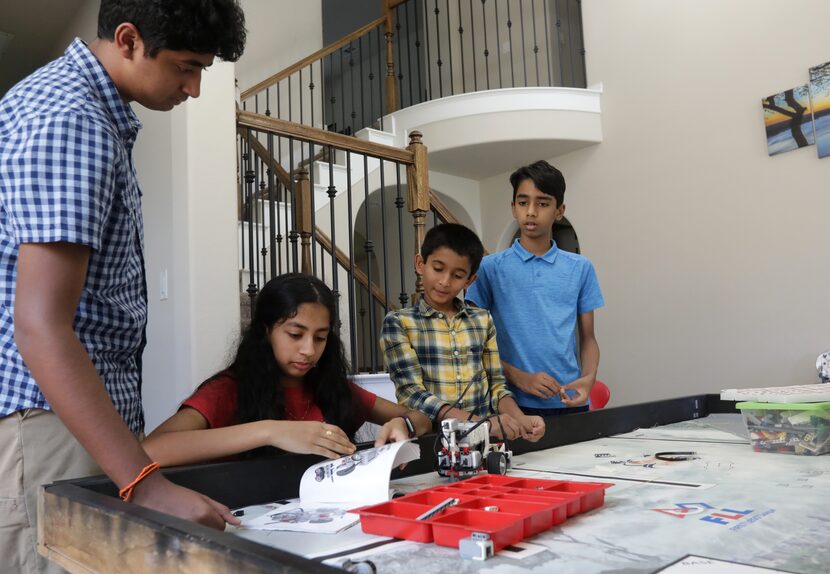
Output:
x=310 y=437
x=393 y=431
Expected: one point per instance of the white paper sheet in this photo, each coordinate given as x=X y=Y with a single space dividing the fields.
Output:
x=328 y=490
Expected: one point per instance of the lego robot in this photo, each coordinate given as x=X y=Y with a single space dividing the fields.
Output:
x=466 y=450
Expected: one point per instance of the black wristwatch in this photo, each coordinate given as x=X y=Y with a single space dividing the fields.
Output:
x=409 y=426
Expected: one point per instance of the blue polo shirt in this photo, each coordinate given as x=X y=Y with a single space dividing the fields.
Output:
x=534 y=301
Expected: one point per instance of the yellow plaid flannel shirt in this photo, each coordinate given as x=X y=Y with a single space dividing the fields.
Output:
x=431 y=358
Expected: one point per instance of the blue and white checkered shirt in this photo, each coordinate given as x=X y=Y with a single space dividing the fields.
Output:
x=66 y=175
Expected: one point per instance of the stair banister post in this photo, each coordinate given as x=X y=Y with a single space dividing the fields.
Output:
x=303 y=217
x=417 y=177
x=391 y=90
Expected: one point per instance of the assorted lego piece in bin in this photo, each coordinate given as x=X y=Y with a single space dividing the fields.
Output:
x=794 y=428
x=498 y=509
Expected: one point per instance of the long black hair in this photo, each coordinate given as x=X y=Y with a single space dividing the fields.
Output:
x=258 y=377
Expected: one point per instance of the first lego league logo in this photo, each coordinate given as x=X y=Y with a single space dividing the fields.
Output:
x=723 y=516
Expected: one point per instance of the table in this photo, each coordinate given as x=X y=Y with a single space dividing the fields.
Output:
x=729 y=503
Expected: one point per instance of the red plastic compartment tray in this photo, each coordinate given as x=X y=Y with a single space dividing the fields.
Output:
x=504 y=529
x=519 y=508
x=537 y=517
x=396 y=519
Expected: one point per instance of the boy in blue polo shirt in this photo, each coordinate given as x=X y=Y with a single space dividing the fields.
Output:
x=538 y=295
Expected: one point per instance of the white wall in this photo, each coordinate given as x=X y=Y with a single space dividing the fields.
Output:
x=711 y=255
x=280 y=33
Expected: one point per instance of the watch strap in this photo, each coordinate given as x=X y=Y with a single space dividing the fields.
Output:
x=409 y=426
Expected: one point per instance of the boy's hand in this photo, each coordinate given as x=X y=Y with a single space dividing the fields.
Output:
x=160 y=494
x=581 y=390
x=533 y=427
x=393 y=431
x=540 y=384
x=512 y=428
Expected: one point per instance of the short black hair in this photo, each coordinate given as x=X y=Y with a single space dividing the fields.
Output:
x=457 y=237
x=203 y=26
x=546 y=178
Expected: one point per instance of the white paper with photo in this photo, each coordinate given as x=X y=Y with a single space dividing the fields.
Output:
x=298 y=517
x=359 y=479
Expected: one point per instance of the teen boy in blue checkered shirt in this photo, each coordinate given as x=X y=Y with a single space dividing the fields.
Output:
x=73 y=301
x=538 y=295
x=441 y=348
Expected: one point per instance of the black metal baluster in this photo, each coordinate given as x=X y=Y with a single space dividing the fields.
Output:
x=342 y=129
x=281 y=202
x=461 y=43
x=383 y=239
x=372 y=77
x=547 y=43
x=289 y=100
x=243 y=157
x=558 y=47
x=322 y=93
x=449 y=49
x=408 y=50
x=437 y=11
x=570 y=43
x=314 y=241
x=381 y=78
x=362 y=312
x=582 y=47
x=353 y=115
x=260 y=212
x=332 y=193
x=428 y=92
x=535 y=41
x=272 y=212
x=332 y=120
x=498 y=39
x=473 y=39
x=486 y=49
x=300 y=92
x=323 y=267
x=398 y=38
x=293 y=234
x=399 y=205
x=249 y=192
x=510 y=43
x=311 y=90
x=421 y=91
x=524 y=44
x=370 y=249
x=352 y=301
x=363 y=122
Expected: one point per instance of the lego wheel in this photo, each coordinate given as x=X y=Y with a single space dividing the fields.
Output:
x=497 y=463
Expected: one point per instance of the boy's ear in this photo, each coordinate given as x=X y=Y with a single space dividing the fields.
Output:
x=470 y=280
x=127 y=40
x=560 y=212
x=419 y=264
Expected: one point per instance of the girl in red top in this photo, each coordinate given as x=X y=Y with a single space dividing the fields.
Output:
x=287 y=388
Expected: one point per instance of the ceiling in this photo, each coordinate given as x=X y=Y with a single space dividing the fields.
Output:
x=38 y=27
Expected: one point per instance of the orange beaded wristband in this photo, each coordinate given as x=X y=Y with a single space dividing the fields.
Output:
x=127 y=492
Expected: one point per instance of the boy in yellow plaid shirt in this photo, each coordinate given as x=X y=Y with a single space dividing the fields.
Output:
x=441 y=353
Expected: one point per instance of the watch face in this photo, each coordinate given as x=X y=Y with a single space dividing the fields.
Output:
x=823 y=366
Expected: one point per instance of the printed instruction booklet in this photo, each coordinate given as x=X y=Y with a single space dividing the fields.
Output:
x=328 y=490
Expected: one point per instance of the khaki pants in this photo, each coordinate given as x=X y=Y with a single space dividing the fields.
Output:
x=35 y=449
